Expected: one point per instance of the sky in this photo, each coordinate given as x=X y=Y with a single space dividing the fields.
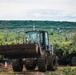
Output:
x=53 y=10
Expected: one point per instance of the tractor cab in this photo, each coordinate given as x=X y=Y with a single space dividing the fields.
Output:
x=39 y=37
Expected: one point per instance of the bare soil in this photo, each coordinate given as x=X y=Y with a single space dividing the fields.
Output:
x=9 y=71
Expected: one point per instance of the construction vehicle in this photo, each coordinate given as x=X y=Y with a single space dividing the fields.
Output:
x=36 y=51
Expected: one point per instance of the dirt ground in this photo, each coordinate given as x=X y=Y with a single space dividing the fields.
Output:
x=9 y=71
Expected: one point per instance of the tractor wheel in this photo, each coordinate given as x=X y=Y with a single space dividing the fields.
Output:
x=30 y=66
x=17 y=65
x=52 y=63
x=42 y=64
x=73 y=61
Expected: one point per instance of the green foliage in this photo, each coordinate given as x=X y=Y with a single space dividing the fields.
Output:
x=72 y=48
x=41 y=24
x=64 y=49
x=69 y=71
x=1 y=56
x=74 y=38
x=60 y=49
x=48 y=73
x=64 y=71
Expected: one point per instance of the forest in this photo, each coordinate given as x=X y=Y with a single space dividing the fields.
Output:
x=29 y=23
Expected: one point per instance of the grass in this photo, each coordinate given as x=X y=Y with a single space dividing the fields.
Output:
x=64 y=71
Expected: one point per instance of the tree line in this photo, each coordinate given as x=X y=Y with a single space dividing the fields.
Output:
x=30 y=23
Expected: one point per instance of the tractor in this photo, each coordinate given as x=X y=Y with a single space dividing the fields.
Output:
x=36 y=51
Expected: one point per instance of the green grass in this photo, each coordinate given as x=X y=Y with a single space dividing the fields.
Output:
x=64 y=71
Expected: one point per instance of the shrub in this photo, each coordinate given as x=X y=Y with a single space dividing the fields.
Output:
x=64 y=49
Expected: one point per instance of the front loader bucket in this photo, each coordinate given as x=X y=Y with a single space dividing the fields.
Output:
x=20 y=50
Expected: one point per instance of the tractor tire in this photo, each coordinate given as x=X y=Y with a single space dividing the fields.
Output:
x=73 y=61
x=42 y=64
x=17 y=65
x=30 y=67
x=52 y=63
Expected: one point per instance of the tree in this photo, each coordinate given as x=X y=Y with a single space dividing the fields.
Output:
x=74 y=38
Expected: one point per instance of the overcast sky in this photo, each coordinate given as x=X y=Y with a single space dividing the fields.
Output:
x=53 y=10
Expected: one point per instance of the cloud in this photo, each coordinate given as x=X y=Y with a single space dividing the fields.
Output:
x=38 y=9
